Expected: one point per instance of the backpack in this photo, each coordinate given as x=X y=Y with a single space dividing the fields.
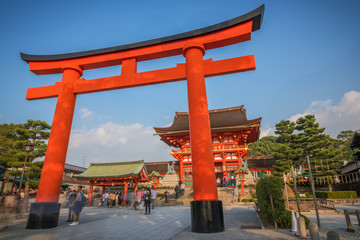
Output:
x=83 y=200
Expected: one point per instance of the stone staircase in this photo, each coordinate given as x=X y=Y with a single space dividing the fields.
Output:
x=170 y=181
x=224 y=194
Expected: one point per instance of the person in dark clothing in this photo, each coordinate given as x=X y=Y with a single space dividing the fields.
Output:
x=147 y=198
x=176 y=192
x=166 y=194
x=77 y=206
x=71 y=199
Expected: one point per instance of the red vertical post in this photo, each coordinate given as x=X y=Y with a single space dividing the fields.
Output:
x=206 y=210
x=200 y=132
x=52 y=172
x=125 y=193
x=181 y=171
x=103 y=190
x=91 y=193
x=136 y=187
x=242 y=188
x=44 y=213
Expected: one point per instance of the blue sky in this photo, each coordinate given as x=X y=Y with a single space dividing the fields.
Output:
x=306 y=53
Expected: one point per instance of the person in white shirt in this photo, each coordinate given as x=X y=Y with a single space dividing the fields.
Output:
x=153 y=197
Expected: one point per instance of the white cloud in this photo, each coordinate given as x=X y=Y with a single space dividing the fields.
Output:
x=85 y=113
x=112 y=142
x=297 y=116
x=336 y=117
x=267 y=132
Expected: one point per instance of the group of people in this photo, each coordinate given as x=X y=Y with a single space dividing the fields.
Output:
x=10 y=203
x=179 y=189
x=111 y=199
x=144 y=198
x=225 y=180
x=74 y=201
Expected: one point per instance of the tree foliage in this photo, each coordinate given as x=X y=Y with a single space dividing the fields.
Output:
x=12 y=150
x=264 y=147
x=343 y=142
x=294 y=140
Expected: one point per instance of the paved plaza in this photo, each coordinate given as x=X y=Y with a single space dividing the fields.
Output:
x=241 y=222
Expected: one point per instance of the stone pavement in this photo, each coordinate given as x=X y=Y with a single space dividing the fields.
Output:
x=163 y=223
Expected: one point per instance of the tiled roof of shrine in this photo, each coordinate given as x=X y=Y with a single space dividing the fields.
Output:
x=113 y=170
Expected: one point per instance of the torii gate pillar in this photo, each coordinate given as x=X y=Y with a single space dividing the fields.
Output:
x=44 y=213
x=206 y=210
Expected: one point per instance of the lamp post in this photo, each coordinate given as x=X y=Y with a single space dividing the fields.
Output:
x=28 y=148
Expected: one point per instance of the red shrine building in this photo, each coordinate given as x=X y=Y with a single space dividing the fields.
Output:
x=231 y=133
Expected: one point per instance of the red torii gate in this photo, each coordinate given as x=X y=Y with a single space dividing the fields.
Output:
x=45 y=211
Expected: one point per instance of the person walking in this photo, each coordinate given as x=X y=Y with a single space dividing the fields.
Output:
x=141 y=200
x=153 y=197
x=111 y=198
x=147 y=199
x=218 y=182
x=176 y=191
x=166 y=194
x=71 y=199
x=225 y=178
x=106 y=195
x=77 y=206
x=233 y=180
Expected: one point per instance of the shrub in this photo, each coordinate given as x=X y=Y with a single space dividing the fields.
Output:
x=286 y=221
x=336 y=194
x=308 y=195
x=247 y=200
x=271 y=186
x=161 y=195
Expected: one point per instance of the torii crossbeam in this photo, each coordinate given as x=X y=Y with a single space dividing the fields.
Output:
x=45 y=211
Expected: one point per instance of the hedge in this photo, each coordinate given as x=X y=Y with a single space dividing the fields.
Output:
x=247 y=200
x=336 y=194
x=275 y=212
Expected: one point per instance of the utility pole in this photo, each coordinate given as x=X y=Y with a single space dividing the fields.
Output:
x=286 y=192
x=313 y=191
x=84 y=161
x=296 y=193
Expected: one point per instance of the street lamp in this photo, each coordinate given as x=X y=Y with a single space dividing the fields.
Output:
x=28 y=148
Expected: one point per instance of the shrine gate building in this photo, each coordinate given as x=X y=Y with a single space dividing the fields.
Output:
x=231 y=133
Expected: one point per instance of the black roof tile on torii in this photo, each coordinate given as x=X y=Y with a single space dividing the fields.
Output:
x=256 y=16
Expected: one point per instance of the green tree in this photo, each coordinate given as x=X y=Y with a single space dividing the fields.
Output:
x=12 y=140
x=312 y=141
x=343 y=142
x=264 y=146
x=284 y=153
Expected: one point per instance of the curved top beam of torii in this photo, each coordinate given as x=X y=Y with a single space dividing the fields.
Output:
x=229 y=32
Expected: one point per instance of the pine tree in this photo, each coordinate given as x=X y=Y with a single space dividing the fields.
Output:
x=284 y=153
x=12 y=151
x=312 y=141
x=343 y=142
x=264 y=146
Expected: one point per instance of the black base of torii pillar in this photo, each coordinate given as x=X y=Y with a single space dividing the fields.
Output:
x=207 y=216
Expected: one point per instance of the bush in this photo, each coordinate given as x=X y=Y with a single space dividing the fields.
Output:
x=336 y=194
x=271 y=186
x=286 y=221
x=308 y=195
x=247 y=200
x=161 y=195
